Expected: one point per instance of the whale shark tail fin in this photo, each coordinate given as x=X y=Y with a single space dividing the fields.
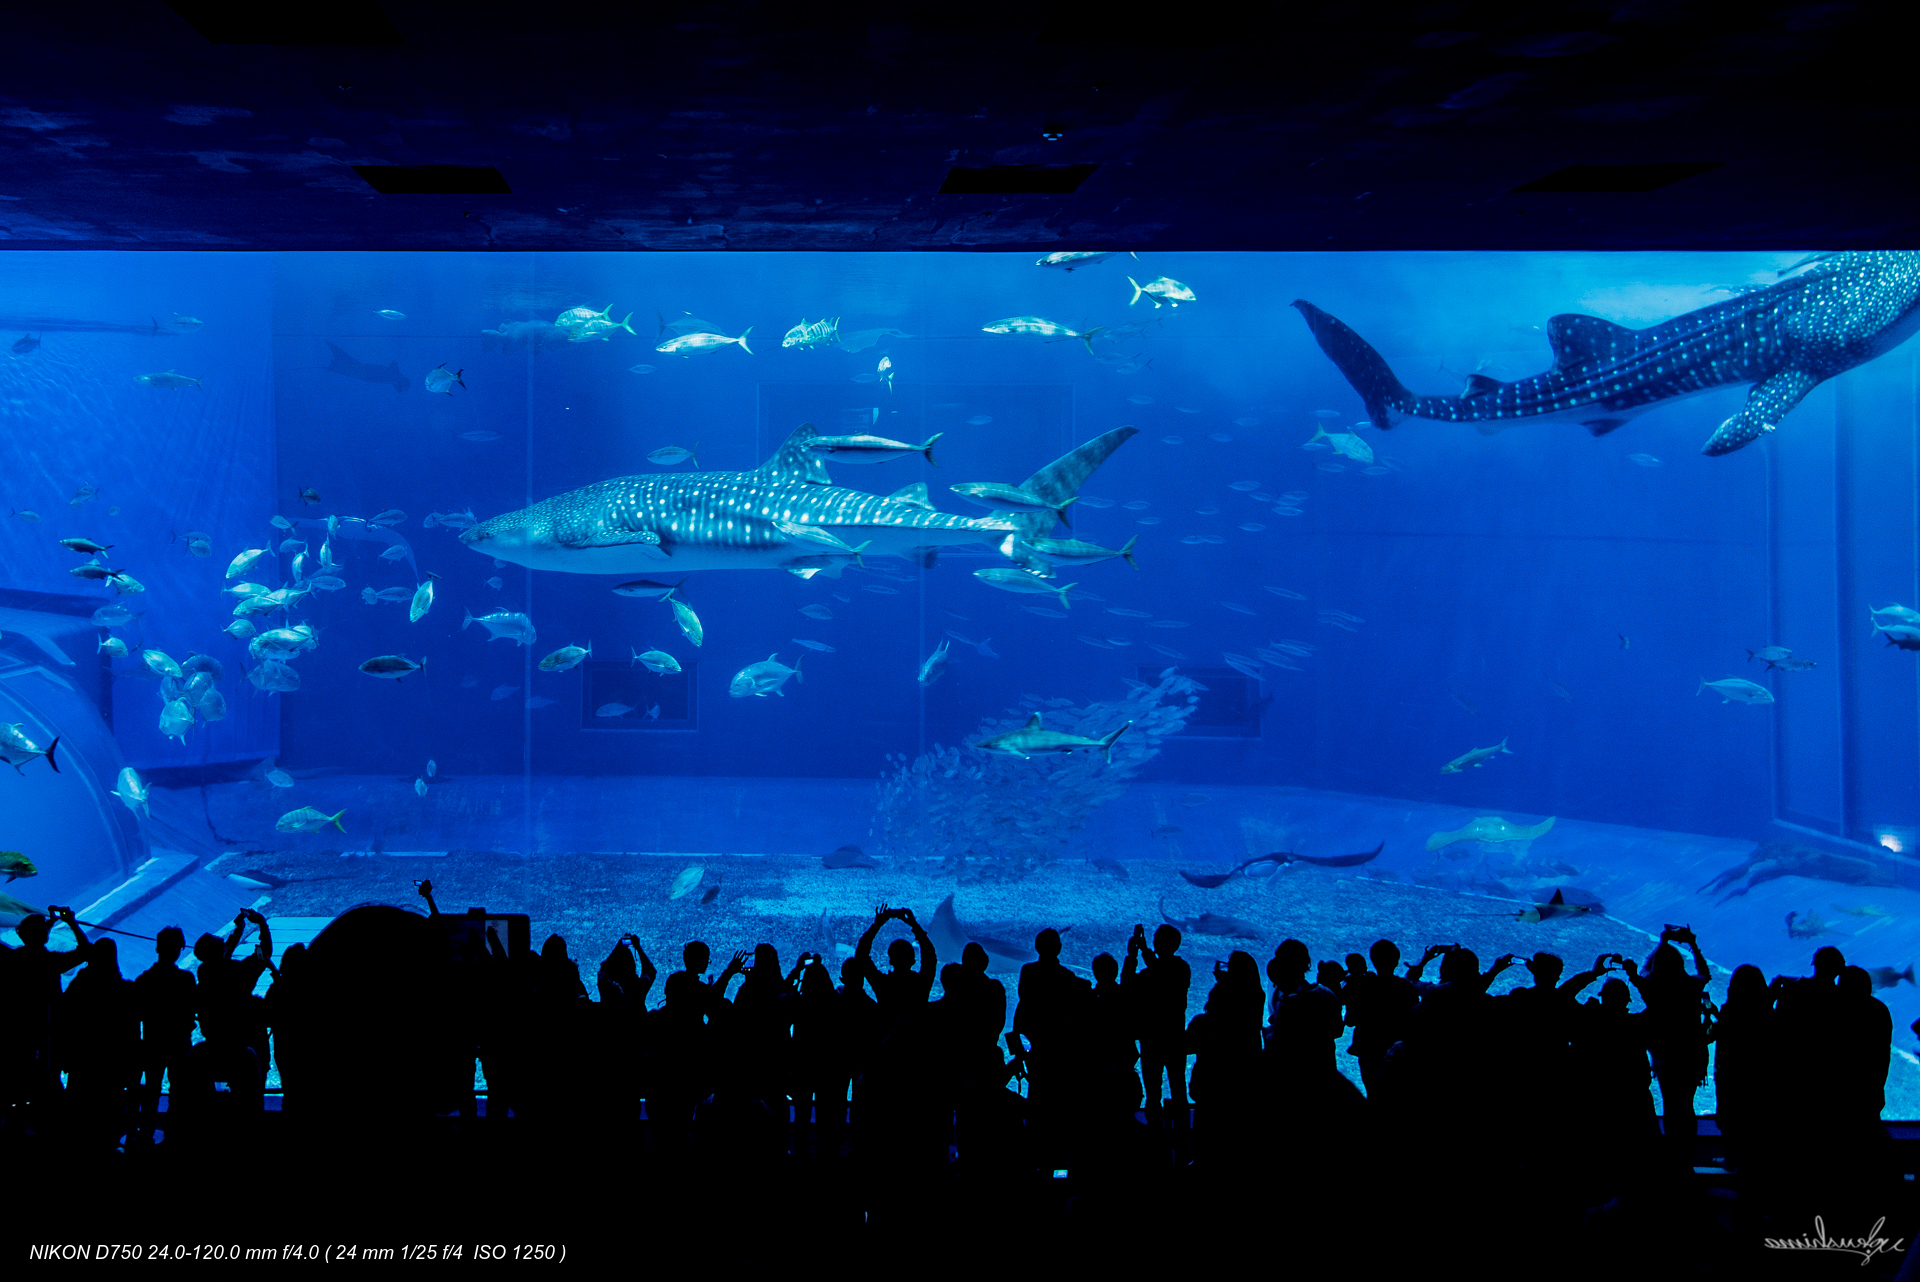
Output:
x=1363 y=367
x=1059 y=482
x=795 y=462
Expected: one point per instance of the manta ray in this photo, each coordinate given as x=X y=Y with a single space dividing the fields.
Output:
x=1785 y=339
x=746 y=520
x=344 y=362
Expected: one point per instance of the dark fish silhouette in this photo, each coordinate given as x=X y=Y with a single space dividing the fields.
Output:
x=1887 y=976
x=531 y=334
x=847 y=857
x=1785 y=340
x=713 y=893
x=274 y=882
x=1212 y=924
x=1113 y=866
x=1775 y=859
x=1212 y=881
x=950 y=939
x=1552 y=908
x=352 y=367
x=1331 y=861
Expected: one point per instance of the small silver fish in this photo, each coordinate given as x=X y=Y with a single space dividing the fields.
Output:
x=441 y=379
x=565 y=658
x=658 y=662
x=517 y=628
x=422 y=600
x=672 y=455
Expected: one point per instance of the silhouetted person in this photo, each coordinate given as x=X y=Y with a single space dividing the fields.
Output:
x=1745 y=1063
x=1311 y=1106
x=688 y=1026
x=756 y=1060
x=903 y=989
x=1380 y=1008
x=283 y=1010
x=1676 y=1033
x=31 y=975
x=231 y=1061
x=1450 y=1066
x=1050 y=1015
x=1112 y=1083
x=820 y=1058
x=621 y=1044
x=860 y=1024
x=1610 y=1046
x=1804 y=1026
x=901 y=1128
x=164 y=995
x=1861 y=1049
x=99 y=1045
x=557 y=1042
x=1226 y=1042
x=1160 y=1015
x=1539 y=1022
x=509 y=1006
x=1303 y=1023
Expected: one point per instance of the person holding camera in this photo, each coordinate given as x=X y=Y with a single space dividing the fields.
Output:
x=903 y=989
x=1677 y=1031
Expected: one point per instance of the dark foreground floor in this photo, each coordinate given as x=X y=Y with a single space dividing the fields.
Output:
x=611 y=1196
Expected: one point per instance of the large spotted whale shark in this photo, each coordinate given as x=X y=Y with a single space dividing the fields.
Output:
x=785 y=515
x=1842 y=310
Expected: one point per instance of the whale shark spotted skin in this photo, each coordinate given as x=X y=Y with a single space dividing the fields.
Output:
x=732 y=520
x=1843 y=310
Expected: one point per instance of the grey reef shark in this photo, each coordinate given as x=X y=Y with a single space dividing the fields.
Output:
x=1841 y=311
x=784 y=515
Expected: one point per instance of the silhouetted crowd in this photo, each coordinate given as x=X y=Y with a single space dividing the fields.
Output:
x=1533 y=1102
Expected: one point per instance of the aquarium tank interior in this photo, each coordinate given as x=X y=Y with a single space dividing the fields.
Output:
x=727 y=596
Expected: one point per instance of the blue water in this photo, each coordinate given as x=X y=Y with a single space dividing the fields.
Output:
x=1562 y=594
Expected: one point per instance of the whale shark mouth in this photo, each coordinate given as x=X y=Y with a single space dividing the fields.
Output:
x=743 y=520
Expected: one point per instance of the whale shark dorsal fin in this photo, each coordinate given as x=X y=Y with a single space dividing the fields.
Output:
x=1480 y=385
x=1576 y=338
x=1033 y=722
x=915 y=494
x=794 y=463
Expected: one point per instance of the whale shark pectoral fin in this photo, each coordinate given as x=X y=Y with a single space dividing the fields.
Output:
x=1576 y=339
x=646 y=542
x=1492 y=427
x=1601 y=426
x=1059 y=481
x=1770 y=401
x=924 y=557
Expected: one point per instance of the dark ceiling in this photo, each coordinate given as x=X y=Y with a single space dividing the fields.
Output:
x=835 y=126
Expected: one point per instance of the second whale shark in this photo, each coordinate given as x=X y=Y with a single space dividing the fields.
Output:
x=1843 y=310
x=746 y=520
